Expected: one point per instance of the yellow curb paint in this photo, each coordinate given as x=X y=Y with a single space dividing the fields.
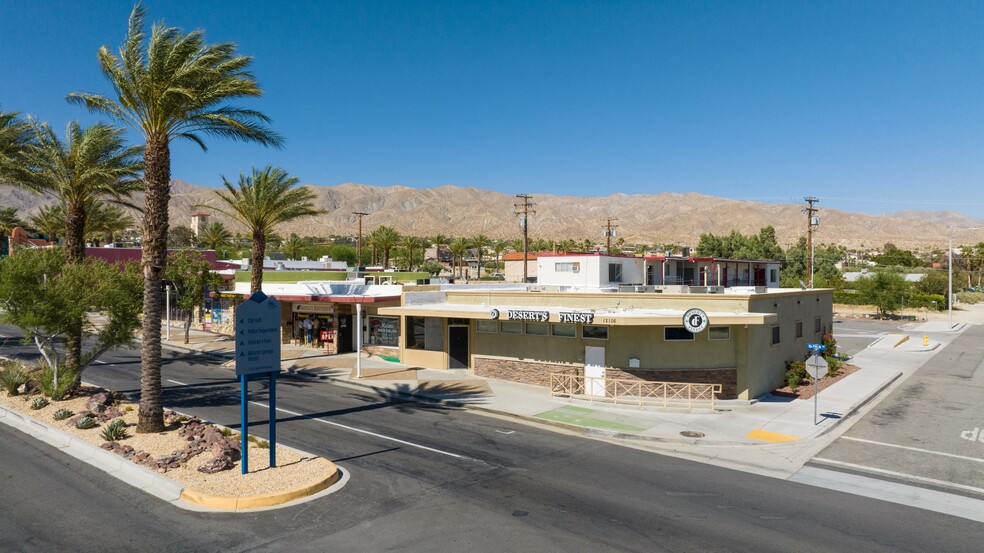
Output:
x=770 y=437
x=233 y=503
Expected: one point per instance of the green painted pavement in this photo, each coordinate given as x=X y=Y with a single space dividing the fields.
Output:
x=581 y=416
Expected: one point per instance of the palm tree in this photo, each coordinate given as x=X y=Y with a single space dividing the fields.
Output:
x=439 y=240
x=294 y=246
x=102 y=221
x=458 y=248
x=214 y=235
x=498 y=247
x=260 y=202
x=105 y=221
x=384 y=239
x=567 y=246
x=479 y=243
x=174 y=87
x=49 y=221
x=9 y=221
x=15 y=133
x=93 y=162
x=411 y=243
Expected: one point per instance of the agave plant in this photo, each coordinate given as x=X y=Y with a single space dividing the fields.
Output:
x=12 y=379
x=115 y=430
x=85 y=423
x=62 y=414
x=39 y=403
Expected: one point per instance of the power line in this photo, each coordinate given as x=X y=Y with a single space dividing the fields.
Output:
x=609 y=232
x=810 y=222
x=358 y=245
x=524 y=210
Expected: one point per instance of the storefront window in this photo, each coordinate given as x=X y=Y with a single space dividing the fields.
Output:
x=538 y=329
x=511 y=327
x=486 y=326
x=594 y=331
x=719 y=332
x=384 y=331
x=426 y=333
x=677 y=334
x=563 y=330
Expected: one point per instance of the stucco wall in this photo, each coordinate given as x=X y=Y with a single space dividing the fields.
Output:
x=767 y=361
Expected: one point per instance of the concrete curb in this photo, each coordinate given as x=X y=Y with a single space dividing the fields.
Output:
x=253 y=502
x=573 y=428
x=864 y=401
x=152 y=482
x=137 y=476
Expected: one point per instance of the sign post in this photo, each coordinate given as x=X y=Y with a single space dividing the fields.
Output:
x=817 y=366
x=257 y=353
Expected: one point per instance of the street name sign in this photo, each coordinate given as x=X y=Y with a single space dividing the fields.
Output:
x=258 y=335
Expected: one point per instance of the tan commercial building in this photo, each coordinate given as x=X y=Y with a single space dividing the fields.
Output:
x=524 y=334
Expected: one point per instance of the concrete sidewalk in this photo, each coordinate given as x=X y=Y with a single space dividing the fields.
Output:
x=771 y=420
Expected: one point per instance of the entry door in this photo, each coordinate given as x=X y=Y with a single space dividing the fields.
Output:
x=457 y=347
x=594 y=371
x=345 y=336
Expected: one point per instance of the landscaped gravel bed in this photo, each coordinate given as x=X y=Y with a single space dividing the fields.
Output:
x=294 y=469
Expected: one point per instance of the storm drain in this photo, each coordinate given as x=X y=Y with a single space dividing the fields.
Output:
x=692 y=434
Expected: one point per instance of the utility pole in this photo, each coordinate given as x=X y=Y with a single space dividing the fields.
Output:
x=810 y=223
x=609 y=232
x=524 y=209
x=358 y=245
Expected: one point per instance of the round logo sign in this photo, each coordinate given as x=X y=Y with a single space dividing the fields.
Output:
x=695 y=320
x=494 y=313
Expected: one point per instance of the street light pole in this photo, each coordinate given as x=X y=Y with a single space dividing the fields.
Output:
x=949 y=280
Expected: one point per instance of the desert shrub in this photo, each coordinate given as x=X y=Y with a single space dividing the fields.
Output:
x=12 y=377
x=62 y=414
x=795 y=373
x=830 y=343
x=226 y=432
x=262 y=444
x=39 y=403
x=834 y=365
x=115 y=430
x=66 y=380
x=85 y=423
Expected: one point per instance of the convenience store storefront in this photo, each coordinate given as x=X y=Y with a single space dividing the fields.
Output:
x=339 y=309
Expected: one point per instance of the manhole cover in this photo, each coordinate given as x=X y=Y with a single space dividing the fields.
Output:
x=692 y=434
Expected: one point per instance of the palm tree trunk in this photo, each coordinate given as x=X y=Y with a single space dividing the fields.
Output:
x=256 y=267
x=157 y=175
x=479 y=263
x=74 y=254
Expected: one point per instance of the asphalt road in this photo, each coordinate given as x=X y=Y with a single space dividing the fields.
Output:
x=921 y=432
x=853 y=335
x=453 y=481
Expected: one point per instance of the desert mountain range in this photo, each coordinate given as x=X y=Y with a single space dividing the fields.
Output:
x=641 y=218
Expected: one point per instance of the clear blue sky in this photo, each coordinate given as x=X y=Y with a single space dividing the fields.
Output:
x=872 y=106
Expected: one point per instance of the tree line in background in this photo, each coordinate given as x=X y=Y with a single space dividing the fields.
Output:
x=883 y=280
